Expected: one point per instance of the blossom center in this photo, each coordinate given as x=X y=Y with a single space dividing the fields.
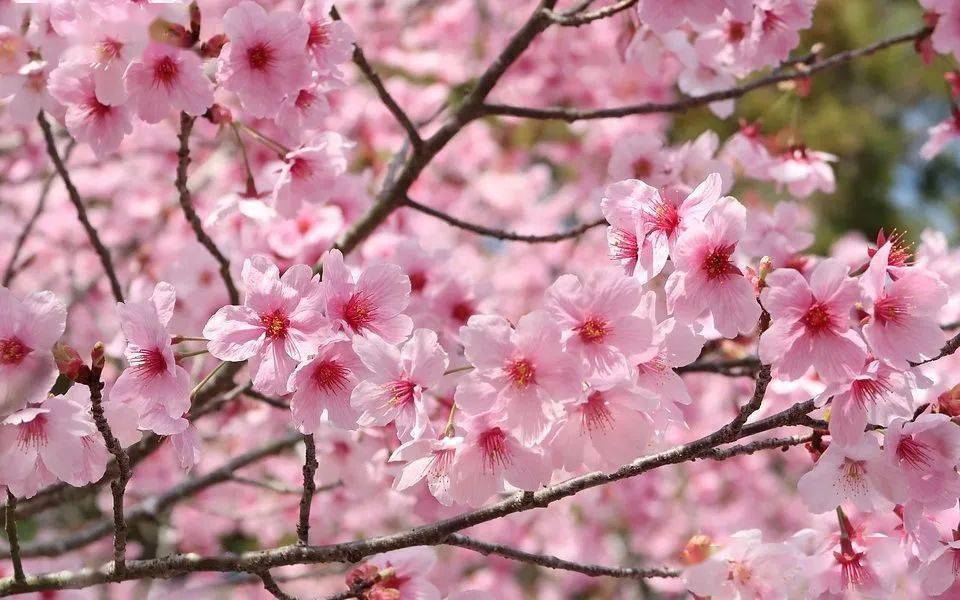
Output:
x=276 y=324
x=642 y=168
x=717 y=264
x=149 y=362
x=96 y=110
x=305 y=99
x=623 y=245
x=401 y=392
x=736 y=31
x=521 y=372
x=330 y=376
x=868 y=391
x=593 y=330
x=260 y=56
x=12 y=351
x=654 y=366
x=915 y=453
x=301 y=168
x=109 y=49
x=461 y=311
x=739 y=573
x=318 y=35
x=595 y=416
x=818 y=318
x=663 y=215
x=165 y=71
x=852 y=573
x=34 y=433
x=889 y=310
x=493 y=444
x=359 y=311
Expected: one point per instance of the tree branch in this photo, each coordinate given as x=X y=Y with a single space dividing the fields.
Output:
x=500 y=234
x=13 y=538
x=270 y=584
x=745 y=367
x=552 y=562
x=186 y=203
x=74 y=195
x=571 y=114
x=309 y=487
x=576 y=18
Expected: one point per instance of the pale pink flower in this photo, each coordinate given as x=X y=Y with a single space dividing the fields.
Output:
x=804 y=171
x=491 y=457
x=853 y=400
x=946 y=35
x=403 y=575
x=664 y=16
x=303 y=110
x=428 y=459
x=56 y=440
x=322 y=386
x=330 y=41
x=167 y=79
x=308 y=174
x=640 y=156
x=924 y=453
x=939 y=570
x=372 y=302
x=856 y=473
x=112 y=44
x=941 y=134
x=706 y=279
x=607 y=427
x=87 y=118
x=746 y=150
x=776 y=27
x=861 y=568
x=28 y=330
x=745 y=567
x=393 y=393
x=780 y=234
x=153 y=383
x=265 y=59
x=810 y=323
x=279 y=324
x=597 y=319
x=28 y=93
x=904 y=324
x=186 y=447
x=14 y=54
x=451 y=302
x=522 y=373
x=659 y=220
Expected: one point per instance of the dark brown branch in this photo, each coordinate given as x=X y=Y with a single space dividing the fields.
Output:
x=11 y=270
x=572 y=114
x=576 y=18
x=739 y=367
x=74 y=196
x=500 y=234
x=270 y=584
x=370 y=73
x=186 y=203
x=783 y=443
x=118 y=485
x=309 y=487
x=552 y=562
x=13 y=538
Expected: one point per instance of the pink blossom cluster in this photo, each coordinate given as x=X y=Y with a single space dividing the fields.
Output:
x=433 y=372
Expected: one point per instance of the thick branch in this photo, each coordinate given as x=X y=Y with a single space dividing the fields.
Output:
x=500 y=234
x=186 y=203
x=309 y=487
x=572 y=114
x=735 y=367
x=552 y=562
x=74 y=196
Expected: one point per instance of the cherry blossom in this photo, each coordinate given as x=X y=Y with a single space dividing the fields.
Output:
x=308 y=174
x=166 y=79
x=323 y=384
x=855 y=473
x=103 y=126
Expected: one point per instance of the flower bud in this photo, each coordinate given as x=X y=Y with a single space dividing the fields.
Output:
x=212 y=47
x=697 y=549
x=98 y=356
x=948 y=402
x=69 y=362
x=219 y=115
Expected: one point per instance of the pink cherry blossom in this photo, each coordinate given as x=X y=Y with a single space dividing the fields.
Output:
x=403 y=574
x=706 y=279
x=428 y=459
x=871 y=391
x=322 y=386
x=303 y=110
x=308 y=174
x=745 y=567
x=166 y=79
x=372 y=302
x=28 y=90
x=946 y=35
x=904 y=313
x=153 y=383
x=278 y=325
x=939 y=571
x=780 y=234
x=662 y=17
x=804 y=171
x=640 y=156
x=940 y=135
x=861 y=567
x=56 y=440
x=810 y=323
x=522 y=372
x=28 y=330
x=776 y=27
x=399 y=377
x=264 y=60
x=747 y=151
x=329 y=41
x=658 y=221
x=854 y=473
x=925 y=453
x=597 y=319
x=88 y=119
x=491 y=457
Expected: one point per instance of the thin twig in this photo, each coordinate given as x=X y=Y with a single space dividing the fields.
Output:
x=186 y=203
x=74 y=196
x=553 y=562
x=13 y=538
x=271 y=586
x=573 y=114
x=309 y=487
x=746 y=366
x=500 y=234
x=576 y=18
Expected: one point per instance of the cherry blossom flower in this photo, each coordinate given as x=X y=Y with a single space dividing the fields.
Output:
x=607 y=427
x=662 y=17
x=264 y=59
x=308 y=173
x=707 y=280
x=746 y=150
x=372 y=302
x=399 y=377
x=322 y=386
x=873 y=391
x=862 y=567
x=640 y=156
x=28 y=330
x=854 y=473
x=940 y=135
x=112 y=44
x=523 y=373
x=303 y=110
x=428 y=459
x=745 y=567
x=810 y=323
x=329 y=41
x=946 y=35
x=167 y=79
x=804 y=171
x=88 y=119
x=28 y=93
x=491 y=457
x=598 y=321
x=279 y=324
x=56 y=440
x=939 y=571
x=779 y=234
x=153 y=383
x=659 y=221
x=925 y=453
x=776 y=27
x=400 y=574
x=904 y=324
